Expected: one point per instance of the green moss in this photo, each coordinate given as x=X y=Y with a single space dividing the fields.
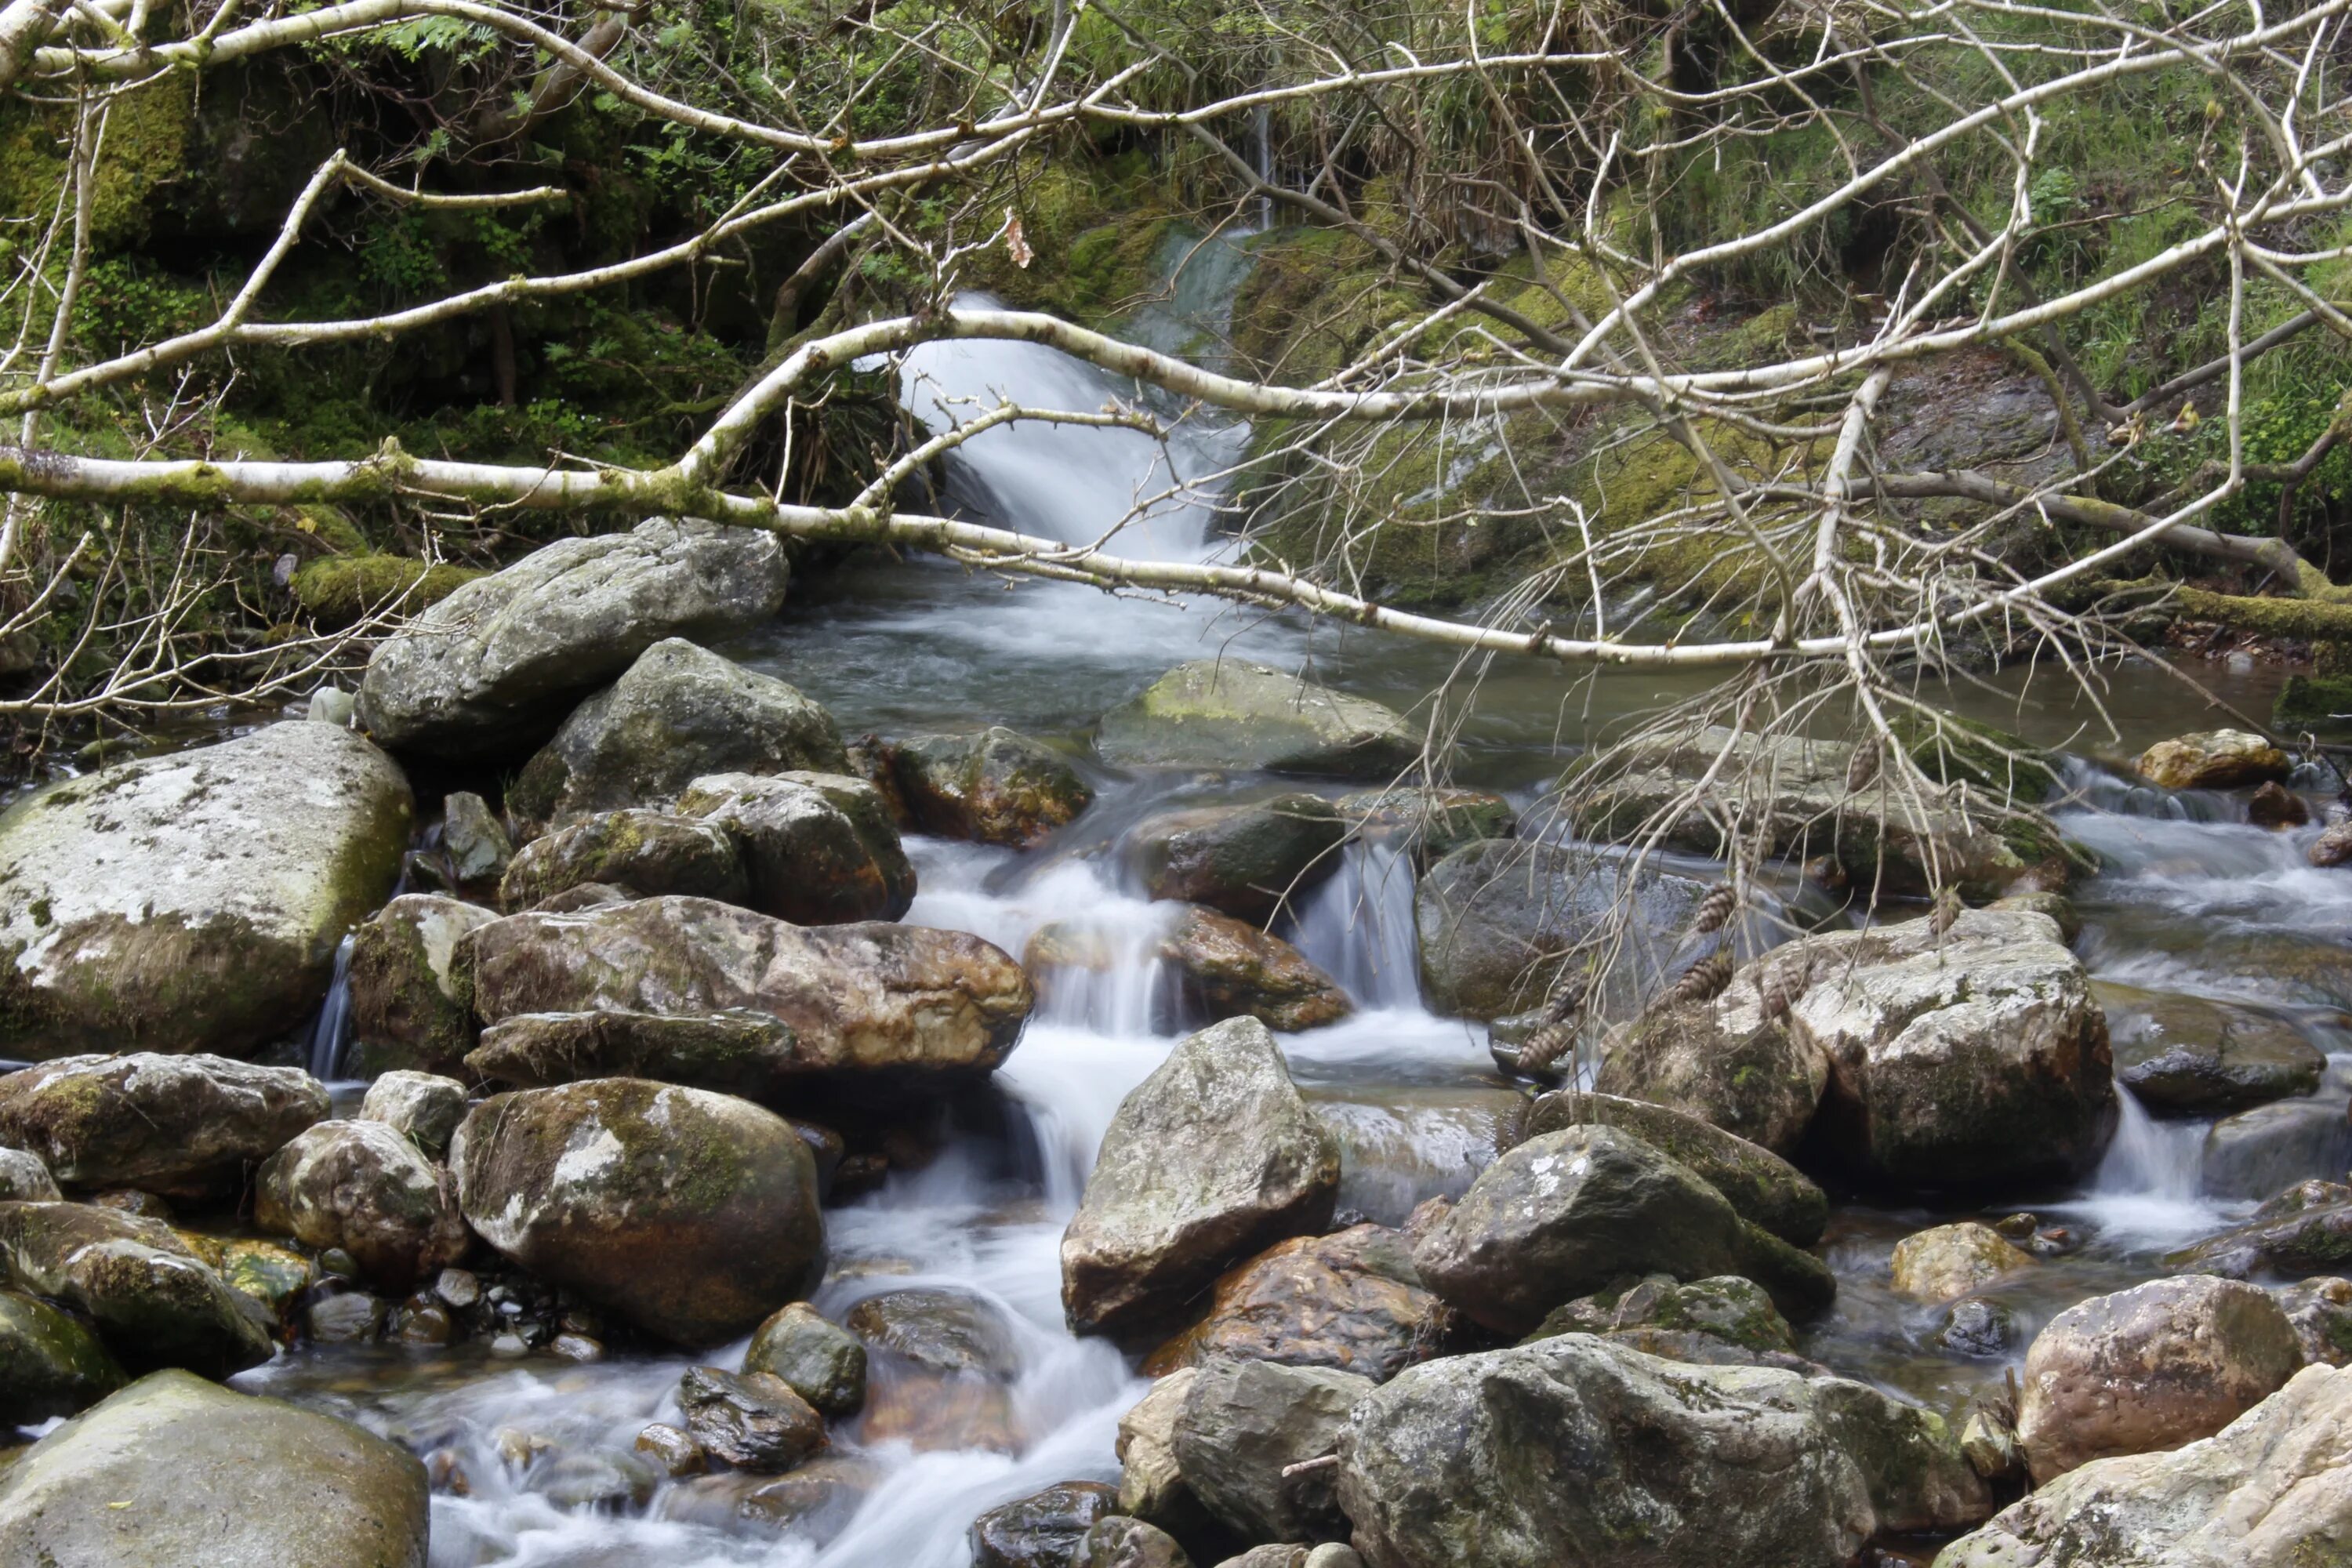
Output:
x=1954 y=751
x=338 y=590
x=146 y=145
x=2314 y=703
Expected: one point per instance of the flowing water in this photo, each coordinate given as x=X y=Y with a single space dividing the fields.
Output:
x=2192 y=899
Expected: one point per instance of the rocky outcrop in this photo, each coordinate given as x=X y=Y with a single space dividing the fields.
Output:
x=1950 y=1262
x=410 y=1008
x=1245 y=1425
x=420 y=1106
x=2153 y=1367
x=192 y=902
x=497 y=663
x=691 y=1215
x=154 y=1301
x=1219 y=968
x=1227 y=713
x=1428 y=825
x=1249 y=862
x=1765 y=1189
x=819 y=1360
x=852 y=999
x=644 y=853
x=364 y=1187
x=820 y=848
x=2187 y=1056
x=997 y=786
x=50 y=1364
x=1209 y=1160
x=1351 y=1301
x=2213 y=759
x=181 y=1125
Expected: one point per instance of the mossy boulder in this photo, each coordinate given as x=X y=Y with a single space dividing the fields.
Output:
x=50 y=1364
x=2213 y=759
x=422 y=1107
x=1732 y=1067
x=822 y=1362
x=739 y=1051
x=1949 y=1261
x=1766 y=1189
x=184 y=1125
x=818 y=849
x=192 y=902
x=1228 y=713
x=647 y=853
x=174 y=1472
x=340 y=590
x=154 y=1301
x=997 y=786
x=692 y=1215
x=411 y=1007
x=1725 y=1308
x=1250 y=861
x=362 y=1186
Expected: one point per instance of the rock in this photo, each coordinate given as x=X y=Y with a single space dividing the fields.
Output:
x=1578 y=1452
x=2153 y=1367
x=2186 y=1056
x=2272 y=807
x=2267 y=1489
x=673 y=1449
x=647 y=853
x=1225 y=714
x=1222 y=968
x=1248 y=861
x=820 y=847
x=2057 y=906
x=1989 y=1444
x=1211 y=1159
x=410 y=1009
x=49 y=1363
x=23 y=1177
x=941 y=1330
x=2213 y=759
x=2259 y=1151
x=332 y=705
x=2312 y=1238
x=1116 y=1541
x=1953 y=1260
x=1429 y=823
x=1150 y=1478
x=364 y=1187
x=2334 y=845
x=691 y=1215
x=347 y=1318
x=997 y=786
x=420 y=1106
x=819 y=1361
x=272 y=1275
x=1042 y=1530
x=1765 y=1189
x=174 y=1472
x=192 y=902
x=857 y=998
x=1244 y=1423
x=501 y=660
x=1403 y=1144
x=1735 y=1312
x=1351 y=1301
x=1723 y=1062
x=475 y=839
x=678 y=713
x=736 y=1052
x=2320 y=1311
x=184 y=1125
x=813 y=1503
x=1563 y=1214
x=753 y=1421
x=154 y=1301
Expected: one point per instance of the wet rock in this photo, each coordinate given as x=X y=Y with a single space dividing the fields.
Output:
x=1248 y=861
x=364 y=1187
x=1738 y=1312
x=1953 y=1260
x=1563 y=1214
x=753 y=1421
x=420 y=1323
x=2320 y=1311
x=812 y=1504
x=2213 y=759
x=475 y=839
x=739 y=1051
x=131 y=1200
x=1428 y=825
x=1150 y=1477
x=942 y=1331
x=422 y=1107
x=501 y=660
x=2334 y=845
x=154 y=1301
x=1575 y=1451
x=1764 y=1188
x=1116 y=1541
x=23 y=1177
x=2293 y=1238
x=1244 y=1424
x=1227 y=713
x=174 y=1472
x=2153 y=1367
x=271 y=1275
x=674 y=1450
x=2186 y=1056
x=346 y=1317
x=857 y=999
x=2272 y=807
x=1973 y=1326
x=691 y=1215
x=677 y=713
x=648 y=853
x=821 y=849
x=1403 y=1144
x=940 y=1412
x=410 y=1008
x=818 y=1359
x=1725 y=1062
x=2261 y=1150
x=49 y=1363
x=189 y=1125
x=1210 y=1160
x=2266 y=1490
x=1042 y=1530
x=1352 y=1302
x=997 y=786
x=1222 y=968
x=192 y=902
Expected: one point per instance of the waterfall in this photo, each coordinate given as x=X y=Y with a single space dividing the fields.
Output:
x=330 y=1035
x=1357 y=926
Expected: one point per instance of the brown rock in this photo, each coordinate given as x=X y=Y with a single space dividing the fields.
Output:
x=1352 y=1302
x=1953 y=1260
x=2213 y=759
x=2272 y=807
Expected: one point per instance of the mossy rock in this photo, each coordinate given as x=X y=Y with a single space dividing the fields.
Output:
x=1952 y=750
x=340 y=590
x=49 y=1363
x=2314 y=703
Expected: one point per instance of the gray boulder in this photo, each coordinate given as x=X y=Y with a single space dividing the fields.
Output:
x=2187 y=1056
x=2320 y=1311
x=822 y=1362
x=155 y=1302
x=1151 y=1484
x=364 y=1187
x=50 y=1364
x=180 y=1125
x=474 y=840
x=950 y=1331
x=647 y=853
x=997 y=786
x=410 y=1008
x=192 y=902
x=1723 y=1061
x=500 y=661
x=1766 y=1189
x=2267 y=1149
x=820 y=848
x=1115 y=1541
x=1227 y=713
x=421 y=1105
x=1249 y=862
x=1244 y=1424
x=24 y=1179
x=2307 y=1229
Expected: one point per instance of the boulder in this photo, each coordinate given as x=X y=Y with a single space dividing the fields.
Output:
x=1575 y=1452
x=859 y=998
x=1115 y=1541
x=818 y=1359
x=2319 y=1309
x=677 y=713
x=1563 y=1214
x=474 y=840
x=50 y=1364
x=2153 y=1367
x=24 y=1179
x=497 y=663
x=1352 y=1302
x=2260 y=1151
x=1042 y=1530
x=1723 y=1061
x=820 y=847
x=1764 y=1188
x=194 y=901
x=1227 y=713
x=411 y=1010
x=996 y=786
x=2334 y=845
x=1211 y=1159
x=2272 y=806
x=2306 y=1229
x=693 y=1216
x=1428 y=825
x=1244 y=1424
x=739 y=1051
x=363 y=1186
x=815 y=1502
x=645 y=853
x=1219 y=968
x=183 y=1125
x=174 y=1472
x=423 y=1108
x=2268 y=1489
x=753 y=1421
x=2186 y=1056
x=951 y=1332
x=1722 y=1322
x=154 y=1301
x=2213 y=759
x=1151 y=1479
x=1249 y=862
x=1953 y=1260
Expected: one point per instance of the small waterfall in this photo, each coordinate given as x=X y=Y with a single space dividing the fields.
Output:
x=331 y=1034
x=2146 y=1190
x=1263 y=125
x=1357 y=926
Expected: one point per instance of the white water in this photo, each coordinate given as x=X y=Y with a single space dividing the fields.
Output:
x=330 y=1036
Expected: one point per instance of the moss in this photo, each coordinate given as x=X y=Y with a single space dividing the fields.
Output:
x=338 y=590
x=2314 y=703
x=1953 y=751
x=146 y=145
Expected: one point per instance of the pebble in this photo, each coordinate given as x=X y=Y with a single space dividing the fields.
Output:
x=459 y=1288
x=576 y=1347
x=510 y=1344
